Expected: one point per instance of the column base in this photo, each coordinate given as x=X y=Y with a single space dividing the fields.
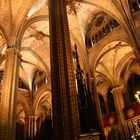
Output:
x=89 y=136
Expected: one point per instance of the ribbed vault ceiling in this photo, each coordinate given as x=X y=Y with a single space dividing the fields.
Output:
x=27 y=21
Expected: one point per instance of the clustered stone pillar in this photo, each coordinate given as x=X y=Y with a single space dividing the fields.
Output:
x=98 y=112
x=119 y=104
x=8 y=96
x=64 y=96
x=31 y=127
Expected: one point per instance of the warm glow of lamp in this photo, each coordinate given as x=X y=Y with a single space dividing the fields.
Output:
x=137 y=96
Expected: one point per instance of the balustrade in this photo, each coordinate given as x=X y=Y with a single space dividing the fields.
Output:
x=132 y=122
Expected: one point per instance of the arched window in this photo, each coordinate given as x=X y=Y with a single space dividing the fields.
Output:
x=100 y=35
x=93 y=40
x=112 y=25
x=107 y=28
x=116 y=23
x=138 y=2
x=39 y=80
x=133 y=4
x=21 y=84
x=96 y=38
x=104 y=32
x=89 y=43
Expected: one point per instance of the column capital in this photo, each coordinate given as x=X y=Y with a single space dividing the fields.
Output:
x=116 y=90
x=34 y=117
x=13 y=50
x=91 y=78
x=31 y=116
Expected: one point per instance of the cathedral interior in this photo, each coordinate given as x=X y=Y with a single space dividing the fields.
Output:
x=69 y=69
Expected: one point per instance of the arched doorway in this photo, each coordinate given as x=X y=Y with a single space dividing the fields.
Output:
x=133 y=85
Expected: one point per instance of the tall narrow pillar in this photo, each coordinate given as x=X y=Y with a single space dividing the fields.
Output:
x=98 y=113
x=8 y=97
x=64 y=96
x=31 y=127
x=119 y=104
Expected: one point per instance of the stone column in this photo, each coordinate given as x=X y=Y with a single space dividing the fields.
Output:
x=64 y=96
x=106 y=105
x=98 y=112
x=8 y=97
x=31 y=128
x=119 y=104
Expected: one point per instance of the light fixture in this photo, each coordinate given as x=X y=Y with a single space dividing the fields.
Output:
x=137 y=96
x=136 y=135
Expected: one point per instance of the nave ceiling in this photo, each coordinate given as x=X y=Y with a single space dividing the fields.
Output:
x=25 y=25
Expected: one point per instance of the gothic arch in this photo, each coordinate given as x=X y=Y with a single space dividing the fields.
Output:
x=42 y=92
x=101 y=54
x=24 y=100
x=46 y=70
